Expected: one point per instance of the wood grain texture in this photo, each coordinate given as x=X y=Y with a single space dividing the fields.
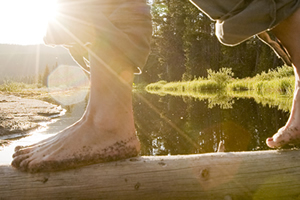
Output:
x=239 y=175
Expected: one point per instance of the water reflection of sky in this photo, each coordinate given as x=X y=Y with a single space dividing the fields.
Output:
x=168 y=125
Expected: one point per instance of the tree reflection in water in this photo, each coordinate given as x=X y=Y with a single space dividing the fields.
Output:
x=189 y=124
x=183 y=124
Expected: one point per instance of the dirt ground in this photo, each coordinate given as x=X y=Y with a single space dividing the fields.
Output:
x=19 y=115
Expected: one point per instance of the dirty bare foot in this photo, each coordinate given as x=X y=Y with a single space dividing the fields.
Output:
x=81 y=144
x=283 y=137
x=106 y=131
x=290 y=133
x=287 y=32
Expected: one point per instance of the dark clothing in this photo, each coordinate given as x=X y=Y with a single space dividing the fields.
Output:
x=237 y=20
x=123 y=25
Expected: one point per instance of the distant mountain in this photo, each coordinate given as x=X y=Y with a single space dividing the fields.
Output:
x=18 y=60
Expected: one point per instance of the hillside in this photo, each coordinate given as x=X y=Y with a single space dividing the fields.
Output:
x=18 y=60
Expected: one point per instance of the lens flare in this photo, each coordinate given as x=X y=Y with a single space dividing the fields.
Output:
x=68 y=85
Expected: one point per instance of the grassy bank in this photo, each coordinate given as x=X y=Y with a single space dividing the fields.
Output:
x=12 y=86
x=35 y=91
x=280 y=80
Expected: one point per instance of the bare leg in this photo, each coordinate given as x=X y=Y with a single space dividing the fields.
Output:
x=79 y=54
x=264 y=36
x=105 y=132
x=288 y=33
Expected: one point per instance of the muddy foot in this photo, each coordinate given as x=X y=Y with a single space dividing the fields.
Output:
x=284 y=136
x=53 y=162
x=74 y=147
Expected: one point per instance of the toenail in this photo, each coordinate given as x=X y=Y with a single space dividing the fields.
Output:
x=270 y=139
x=17 y=148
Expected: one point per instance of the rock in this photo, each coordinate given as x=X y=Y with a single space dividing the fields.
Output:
x=20 y=115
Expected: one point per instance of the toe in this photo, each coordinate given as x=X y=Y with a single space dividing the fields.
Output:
x=18 y=148
x=24 y=164
x=276 y=142
x=21 y=152
x=270 y=142
x=41 y=166
x=17 y=160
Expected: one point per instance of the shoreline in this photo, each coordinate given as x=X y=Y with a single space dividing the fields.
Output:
x=20 y=115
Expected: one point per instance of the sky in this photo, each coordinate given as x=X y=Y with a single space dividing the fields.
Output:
x=25 y=21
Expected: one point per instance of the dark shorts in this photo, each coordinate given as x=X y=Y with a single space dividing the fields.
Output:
x=237 y=20
x=124 y=25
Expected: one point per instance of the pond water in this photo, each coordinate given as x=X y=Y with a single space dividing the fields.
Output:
x=171 y=125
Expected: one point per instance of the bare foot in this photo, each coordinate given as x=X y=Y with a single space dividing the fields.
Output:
x=284 y=136
x=81 y=144
x=290 y=133
x=106 y=131
x=287 y=33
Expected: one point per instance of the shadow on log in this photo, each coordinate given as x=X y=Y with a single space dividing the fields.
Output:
x=239 y=175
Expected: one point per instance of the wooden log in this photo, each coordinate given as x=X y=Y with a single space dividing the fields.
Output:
x=239 y=175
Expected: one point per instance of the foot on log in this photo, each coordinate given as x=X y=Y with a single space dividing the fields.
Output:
x=79 y=145
x=284 y=136
x=287 y=33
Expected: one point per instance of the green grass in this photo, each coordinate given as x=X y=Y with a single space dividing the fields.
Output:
x=186 y=86
x=283 y=85
x=24 y=90
x=279 y=80
x=274 y=88
x=10 y=86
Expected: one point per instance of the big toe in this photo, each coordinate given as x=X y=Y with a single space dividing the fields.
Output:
x=18 y=148
x=21 y=152
x=271 y=143
x=17 y=160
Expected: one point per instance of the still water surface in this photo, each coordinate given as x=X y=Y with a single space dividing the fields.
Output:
x=170 y=125
x=187 y=126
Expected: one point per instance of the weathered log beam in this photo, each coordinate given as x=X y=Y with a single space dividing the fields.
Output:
x=240 y=175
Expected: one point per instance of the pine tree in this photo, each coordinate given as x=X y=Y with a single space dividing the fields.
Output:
x=184 y=46
x=45 y=75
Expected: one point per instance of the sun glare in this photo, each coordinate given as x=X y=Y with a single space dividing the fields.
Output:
x=25 y=21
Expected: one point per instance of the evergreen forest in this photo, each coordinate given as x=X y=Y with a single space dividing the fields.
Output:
x=184 y=46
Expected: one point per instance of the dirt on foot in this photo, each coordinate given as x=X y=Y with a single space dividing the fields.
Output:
x=21 y=115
